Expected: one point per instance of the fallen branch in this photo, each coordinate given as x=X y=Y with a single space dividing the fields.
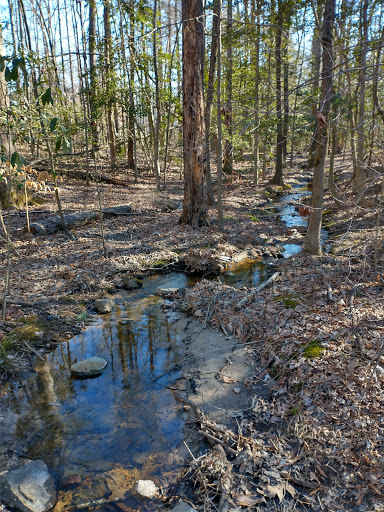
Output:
x=99 y=178
x=216 y=440
x=267 y=283
x=33 y=350
x=73 y=220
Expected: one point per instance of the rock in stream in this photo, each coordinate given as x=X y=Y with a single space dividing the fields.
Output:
x=29 y=488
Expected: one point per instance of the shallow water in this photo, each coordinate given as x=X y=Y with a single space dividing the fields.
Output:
x=124 y=416
x=287 y=208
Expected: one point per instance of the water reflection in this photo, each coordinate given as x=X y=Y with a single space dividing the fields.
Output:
x=120 y=417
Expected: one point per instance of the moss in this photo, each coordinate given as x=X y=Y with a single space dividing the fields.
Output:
x=30 y=330
x=159 y=263
x=313 y=350
x=294 y=410
x=289 y=301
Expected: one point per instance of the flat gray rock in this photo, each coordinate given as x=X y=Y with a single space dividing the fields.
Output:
x=167 y=290
x=87 y=367
x=145 y=488
x=104 y=305
x=29 y=488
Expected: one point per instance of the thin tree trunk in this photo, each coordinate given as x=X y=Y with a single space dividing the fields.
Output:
x=156 y=134
x=220 y=220
x=228 y=147
x=108 y=81
x=312 y=242
x=359 y=181
x=209 y=102
x=278 y=177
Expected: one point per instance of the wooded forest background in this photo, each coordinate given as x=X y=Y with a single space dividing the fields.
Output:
x=104 y=79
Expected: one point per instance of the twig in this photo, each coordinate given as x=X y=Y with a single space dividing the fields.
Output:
x=221 y=322
x=329 y=292
x=216 y=440
x=266 y=283
x=33 y=350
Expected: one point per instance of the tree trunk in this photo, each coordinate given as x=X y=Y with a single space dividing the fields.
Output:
x=278 y=177
x=156 y=134
x=359 y=180
x=108 y=81
x=195 y=195
x=92 y=72
x=312 y=242
x=220 y=220
x=228 y=147
x=6 y=142
x=210 y=94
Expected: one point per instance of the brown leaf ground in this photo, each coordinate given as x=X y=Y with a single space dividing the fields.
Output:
x=322 y=359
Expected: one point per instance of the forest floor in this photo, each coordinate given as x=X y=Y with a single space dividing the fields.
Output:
x=316 y=442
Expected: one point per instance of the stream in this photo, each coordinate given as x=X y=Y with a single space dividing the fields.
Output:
x=126 y=417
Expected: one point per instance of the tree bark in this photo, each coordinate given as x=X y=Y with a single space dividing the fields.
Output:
x=228 y=147
x=209 y=101
x=195 y=195
x=312 y=242
x=278 y=177
x=359 y=181
x=108 y=80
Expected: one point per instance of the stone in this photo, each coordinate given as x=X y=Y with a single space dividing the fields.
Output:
x=169 y=290
x=145 y=488
x=183 y=507
x=87 y=367
x=104 y=305
x=131 y=283
x=29 y=488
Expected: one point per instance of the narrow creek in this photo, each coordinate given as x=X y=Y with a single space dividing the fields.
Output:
x=126 y=417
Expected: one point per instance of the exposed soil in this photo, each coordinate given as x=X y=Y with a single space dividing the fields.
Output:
x=309 y=435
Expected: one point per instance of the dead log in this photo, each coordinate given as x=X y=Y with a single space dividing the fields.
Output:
x=100 y=178
x=74 y=220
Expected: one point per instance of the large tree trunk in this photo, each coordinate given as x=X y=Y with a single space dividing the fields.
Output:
x=312 y=240
x=195 y=194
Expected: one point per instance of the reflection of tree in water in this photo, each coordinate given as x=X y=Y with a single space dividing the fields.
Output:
x=41 y=418
x=120 y=417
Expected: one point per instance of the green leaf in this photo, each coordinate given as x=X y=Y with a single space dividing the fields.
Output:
x=17 y=160
x=21 y=64
x=53 y=123
x=82 y=317
x=66 y=145
x=47 y=97
x=8 y=74
x=58 y=143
